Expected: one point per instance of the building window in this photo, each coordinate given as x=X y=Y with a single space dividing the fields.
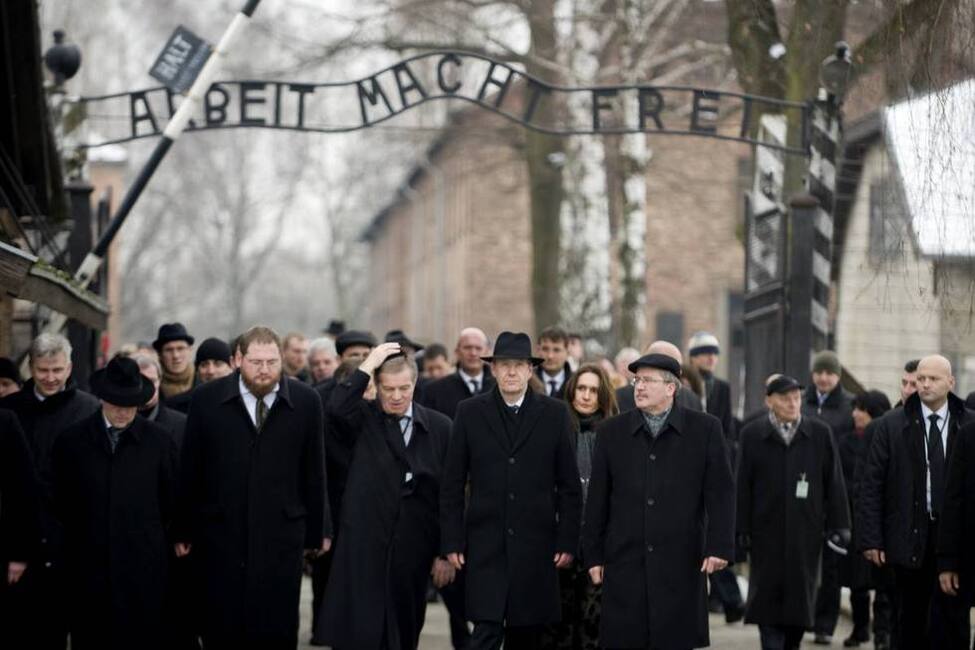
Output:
x=670 y=327
x=885 y=222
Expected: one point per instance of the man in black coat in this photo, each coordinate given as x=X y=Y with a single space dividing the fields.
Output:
x=114 y=487
x=252 y=496
x=685 y=398
x=49 y=402
x=791 y=497
x=512 y=450
x=659 y=516
x=826 y=400
x=376 y=596
x=901 y=494
x=173 y=421
x=956 y=539
x=473 y=376
x=554 y=370
x=18 y=525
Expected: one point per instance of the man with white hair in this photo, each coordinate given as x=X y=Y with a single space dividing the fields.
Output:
x=323 y=359
x=49 y=402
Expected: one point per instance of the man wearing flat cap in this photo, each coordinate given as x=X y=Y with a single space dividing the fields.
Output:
x=114 y=488
x=660 y=515
x=791 y=497
x=173 y=344
x=511 y=449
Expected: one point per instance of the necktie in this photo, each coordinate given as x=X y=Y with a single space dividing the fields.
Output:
x=474 y=386
x=553 y=386
x=114 y=434
x=261 y=414
x=514 y=409
x=936 y=464
x=404 y=427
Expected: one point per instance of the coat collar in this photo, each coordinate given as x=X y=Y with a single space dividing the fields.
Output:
x=804 y=428
x=676 y=419
x=230 y=389
x=98 y=432
x=835 y=395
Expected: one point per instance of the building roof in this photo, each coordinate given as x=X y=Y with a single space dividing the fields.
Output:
x=932 y=140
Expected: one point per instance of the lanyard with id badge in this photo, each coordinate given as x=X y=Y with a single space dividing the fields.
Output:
x=802 y=487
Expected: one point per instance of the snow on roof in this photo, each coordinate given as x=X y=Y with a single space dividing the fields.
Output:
x=932 y=138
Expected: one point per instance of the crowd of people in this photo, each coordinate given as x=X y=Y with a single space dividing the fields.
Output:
x=553 y=501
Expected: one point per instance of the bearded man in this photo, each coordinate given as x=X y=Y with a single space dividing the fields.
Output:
x=252 y=497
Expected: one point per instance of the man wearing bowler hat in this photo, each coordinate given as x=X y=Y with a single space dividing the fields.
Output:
x=511 y=449
x=660 y=515
x=173 y=345
x=114 y=487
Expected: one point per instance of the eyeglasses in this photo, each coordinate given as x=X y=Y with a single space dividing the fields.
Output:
x=269 y=363
x=642 y=381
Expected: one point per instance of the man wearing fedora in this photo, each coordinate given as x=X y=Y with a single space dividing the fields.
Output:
x=510 y=502
x=114 y=487
x=252 y=497
x=791 y=498
x=173 y=345
x=659 y=516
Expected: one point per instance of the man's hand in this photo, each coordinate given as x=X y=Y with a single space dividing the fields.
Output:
x=712 y=564
x=596 y=574
x=563 y=560
x=949 y=582
x=182 y=550
x=14 y=571
x=378 y=355
x=442 y=572
x=875 y=556
x=456 y=560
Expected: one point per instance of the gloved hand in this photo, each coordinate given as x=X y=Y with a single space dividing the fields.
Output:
x=838 y=540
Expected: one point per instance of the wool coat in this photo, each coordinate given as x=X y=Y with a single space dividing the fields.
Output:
x=891 y=509
x=173 y=421
x=956 y=537
x=656 y=508
x=115 y=508
x=249 y=503
x=524 y=505
x=446 y=393
x=391 y=523
x=718 y=404
x=785 y=523
x=18 y=494
x=43 y=422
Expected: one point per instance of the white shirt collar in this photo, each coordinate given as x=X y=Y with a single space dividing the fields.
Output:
x=479 y=378
x=558 y=378
x=518 y=403
x=941 y=412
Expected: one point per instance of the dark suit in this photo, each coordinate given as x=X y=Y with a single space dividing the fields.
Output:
x=560 y=390
x=524 y=507
x=249 y=504
x=446 y=393
x=956 y=539
x=656 y=508
x=892 y=515
x=115 y=507
x=376 y=595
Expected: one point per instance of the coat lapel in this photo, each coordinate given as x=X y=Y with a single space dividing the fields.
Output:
x=527 y=419
x=493 y=418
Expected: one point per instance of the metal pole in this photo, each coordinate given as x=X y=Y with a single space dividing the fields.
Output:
x=93 y=261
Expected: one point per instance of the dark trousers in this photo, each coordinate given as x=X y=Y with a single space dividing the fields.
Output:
x=780 y=637
x=490 y=635
x=828 y=596
x=320 y=569
x=929 y=618
x=180 y=609
x=453 y=600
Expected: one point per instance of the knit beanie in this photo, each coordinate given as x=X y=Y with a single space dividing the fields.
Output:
x=827 y=361
x=212 y=350
x=703 y=343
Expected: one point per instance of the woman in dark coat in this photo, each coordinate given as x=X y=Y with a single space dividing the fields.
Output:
x=591 y=399
x=790 y=496
x=114 y=486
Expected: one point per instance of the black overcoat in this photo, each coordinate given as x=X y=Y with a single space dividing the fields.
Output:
x=524 y=506
x=956 y=536
x=446 y=393
x=891 y=508
x=115 y=508
x=43 y=422
x=173 y=421
x=656 y=509
x=249 y=504
x=18 y=494
x=390 y=529
x=719 y=405
x=786 y=531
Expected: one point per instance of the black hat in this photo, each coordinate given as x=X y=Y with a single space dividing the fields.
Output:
x=212 y=349
x=8 y=370
x=120 y=383
x=658 y=361
x=169 y=332
x=513 y=345
x=335 y=327
x=782 y=384
x=399 y=336
x=354 y=337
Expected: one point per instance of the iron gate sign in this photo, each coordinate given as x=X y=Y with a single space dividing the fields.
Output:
x=444 y=75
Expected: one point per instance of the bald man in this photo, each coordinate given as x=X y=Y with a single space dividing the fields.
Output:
x=472 y=376
x=900 y=501
x=685 y=398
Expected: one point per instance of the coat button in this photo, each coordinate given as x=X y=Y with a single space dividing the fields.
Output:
x=511 y=461
x=48 y=565
x=653 y=456
x=511 y=496
x=649 y=548
x=511 y=531
x=650 y=502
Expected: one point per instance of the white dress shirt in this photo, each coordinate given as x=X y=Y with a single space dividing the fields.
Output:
x=250 y=400
x=558 y=378
x=943 y=425
x=479 y=379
